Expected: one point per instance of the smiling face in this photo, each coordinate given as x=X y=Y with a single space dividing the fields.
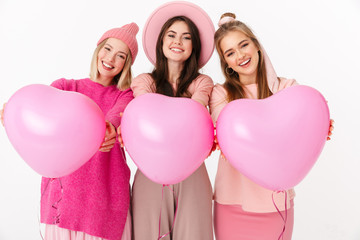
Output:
x=177 y=44
x=241 y=54
x=111 y=60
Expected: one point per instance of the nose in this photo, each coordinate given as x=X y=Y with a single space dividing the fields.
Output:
x=110 y=57
x=178 y=41
x=240 y=54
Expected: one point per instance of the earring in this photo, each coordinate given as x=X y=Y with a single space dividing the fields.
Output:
x=228 y=72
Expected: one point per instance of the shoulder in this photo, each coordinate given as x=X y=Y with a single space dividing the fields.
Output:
x=286 y=82
x=144 y=77
x=204 y=79
x=281 y=83
x=219 y=91
x=142 y=84
x=141 y=80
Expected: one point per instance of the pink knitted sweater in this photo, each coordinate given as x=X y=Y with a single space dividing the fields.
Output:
x=95 y=198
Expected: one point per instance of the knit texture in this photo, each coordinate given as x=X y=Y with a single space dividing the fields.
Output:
x=95 y=198
x=127 y=34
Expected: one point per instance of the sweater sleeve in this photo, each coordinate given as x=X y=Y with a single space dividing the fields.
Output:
x=142 y=84
x=59 y=84
x=217 y=101
x=113 y=115
x=203 y=86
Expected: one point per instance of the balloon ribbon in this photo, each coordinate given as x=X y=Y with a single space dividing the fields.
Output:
x=176 y=207
x=284 y=218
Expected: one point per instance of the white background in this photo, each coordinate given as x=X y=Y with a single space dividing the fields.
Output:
x=315 y=42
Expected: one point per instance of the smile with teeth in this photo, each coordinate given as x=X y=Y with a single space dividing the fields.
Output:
x=176 y=50
x=107 y=65
x=245 y=62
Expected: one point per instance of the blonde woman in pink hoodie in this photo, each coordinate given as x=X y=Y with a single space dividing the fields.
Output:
x=242 y=208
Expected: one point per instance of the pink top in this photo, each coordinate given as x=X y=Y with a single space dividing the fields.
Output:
x=232 y=187
x=200 y=88
x=96 y=197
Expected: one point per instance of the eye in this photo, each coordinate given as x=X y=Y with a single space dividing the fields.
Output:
x=107 y=49
x=171 y=35
x=229 y=54
x=122 y=56
x=245 y=45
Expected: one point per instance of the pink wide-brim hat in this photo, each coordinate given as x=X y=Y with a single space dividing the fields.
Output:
x=166 y=11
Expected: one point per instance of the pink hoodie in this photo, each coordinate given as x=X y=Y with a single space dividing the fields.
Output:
x=232 y=187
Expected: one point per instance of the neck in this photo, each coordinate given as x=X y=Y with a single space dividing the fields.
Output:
x=175 y=69
x=247 y=80
x=103 y=80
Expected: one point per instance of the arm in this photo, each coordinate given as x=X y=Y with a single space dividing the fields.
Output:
x=201 y=89
x=113 y=119
x=143 y=84
x=2 y=114
x=217 y=103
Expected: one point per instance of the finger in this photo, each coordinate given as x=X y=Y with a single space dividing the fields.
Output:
x=121 y=114
x=103 y=150
x=108 y=143
x=2 y=116
x=106 y=148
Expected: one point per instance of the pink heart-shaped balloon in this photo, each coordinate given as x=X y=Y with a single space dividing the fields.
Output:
x=275 y=141
x=168 y=138
x=54 y=131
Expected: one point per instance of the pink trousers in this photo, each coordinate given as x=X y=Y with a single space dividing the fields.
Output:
x=231 y=222
x=53 y=232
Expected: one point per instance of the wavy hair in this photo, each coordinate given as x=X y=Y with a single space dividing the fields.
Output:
x=232 y=83
x=123 y=79
x=190 y=71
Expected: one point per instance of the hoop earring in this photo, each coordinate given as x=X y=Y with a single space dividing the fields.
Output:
x=227 y=70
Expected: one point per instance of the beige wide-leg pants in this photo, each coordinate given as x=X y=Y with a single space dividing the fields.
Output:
x=194 y=215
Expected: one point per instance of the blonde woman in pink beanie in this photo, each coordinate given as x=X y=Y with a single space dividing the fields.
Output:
x=242 y=208
x=93 y=202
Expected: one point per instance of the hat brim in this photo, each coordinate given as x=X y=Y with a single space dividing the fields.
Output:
x=163 y=13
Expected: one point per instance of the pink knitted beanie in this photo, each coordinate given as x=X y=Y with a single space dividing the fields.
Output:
x=127 y=34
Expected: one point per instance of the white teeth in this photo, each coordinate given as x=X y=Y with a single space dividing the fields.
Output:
x=242 y=64
x=107 y=65
x=176 y=50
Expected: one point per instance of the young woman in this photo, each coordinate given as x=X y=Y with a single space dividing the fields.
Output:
x=179 y=48
x=93 y=202
x=242 y=208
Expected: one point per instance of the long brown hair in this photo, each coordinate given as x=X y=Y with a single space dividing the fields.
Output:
x=232 y=83
x=190 y=72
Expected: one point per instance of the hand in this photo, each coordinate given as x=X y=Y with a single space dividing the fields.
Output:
x=331 y=128
x=119 y=134
x=2 y=114
x=110 y=138
x=216 y=146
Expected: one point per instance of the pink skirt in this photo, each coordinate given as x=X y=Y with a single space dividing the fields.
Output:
x=53 y=232
x=231 y=222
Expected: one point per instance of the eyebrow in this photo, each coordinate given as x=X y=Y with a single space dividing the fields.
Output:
x=112 y=47
x=172 y=31
x=238 y=45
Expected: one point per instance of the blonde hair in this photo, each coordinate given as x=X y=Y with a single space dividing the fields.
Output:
x=232 y=84
x=123 y=79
